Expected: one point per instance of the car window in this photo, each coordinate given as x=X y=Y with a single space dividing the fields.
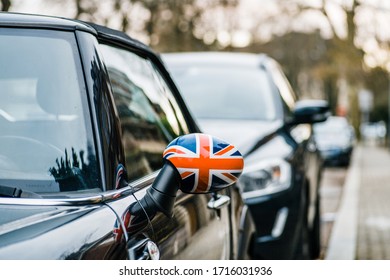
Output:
x=219 y=92
x=46 y=144
x=147 y=115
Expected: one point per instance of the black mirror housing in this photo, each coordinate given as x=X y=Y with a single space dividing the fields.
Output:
x=310 y=111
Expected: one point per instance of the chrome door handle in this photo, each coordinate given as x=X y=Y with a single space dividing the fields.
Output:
x=218 y=201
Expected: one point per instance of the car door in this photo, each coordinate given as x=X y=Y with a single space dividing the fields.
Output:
x=150 y=117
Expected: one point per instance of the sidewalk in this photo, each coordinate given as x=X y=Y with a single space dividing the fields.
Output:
x=362 y=228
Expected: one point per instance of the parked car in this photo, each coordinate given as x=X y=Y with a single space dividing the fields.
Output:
x=335 y=139
x=374 y=132
x=246 y=99
x=86 y=114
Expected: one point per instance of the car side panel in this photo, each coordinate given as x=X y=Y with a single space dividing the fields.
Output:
x=311 y=166
x=59 y=232
x=194 y=231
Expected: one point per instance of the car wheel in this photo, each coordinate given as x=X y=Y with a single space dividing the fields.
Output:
x=315 y=236
x=303 y=247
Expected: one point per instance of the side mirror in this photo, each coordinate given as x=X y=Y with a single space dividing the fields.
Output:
x=194 y=163
x=310 y=111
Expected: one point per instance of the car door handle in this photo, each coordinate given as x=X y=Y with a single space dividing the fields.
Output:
x=218 y=201
x=144 y=249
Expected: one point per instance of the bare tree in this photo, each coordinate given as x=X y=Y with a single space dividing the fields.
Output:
x=166 y=25
x=180 y=25
x=346 y=53
x=5 y=5
x=333 y=60
x=86 y=10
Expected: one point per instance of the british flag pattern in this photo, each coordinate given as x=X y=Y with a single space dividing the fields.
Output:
x=205 y=163
x=130 y=222
x=118 y=227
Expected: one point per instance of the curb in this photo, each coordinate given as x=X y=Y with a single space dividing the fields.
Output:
x=343 y=238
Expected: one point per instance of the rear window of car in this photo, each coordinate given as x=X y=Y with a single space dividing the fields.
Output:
x=224 y=92
x=46 y=144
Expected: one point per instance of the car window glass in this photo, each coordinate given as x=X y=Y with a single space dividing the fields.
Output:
x=148 y=121
x=46 y=144
x=214 y=92
x=182 y=127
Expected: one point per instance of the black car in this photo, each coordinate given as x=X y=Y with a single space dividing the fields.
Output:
x=246 y=99
x=335 y=140
x=85 y=114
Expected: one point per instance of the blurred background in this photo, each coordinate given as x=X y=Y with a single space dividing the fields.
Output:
x=337 y=50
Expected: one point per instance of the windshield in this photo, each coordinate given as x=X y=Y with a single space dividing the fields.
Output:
x=216 y=92
x=45 y=145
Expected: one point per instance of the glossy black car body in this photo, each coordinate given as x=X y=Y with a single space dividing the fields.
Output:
x=74 y=191
x=262 y=117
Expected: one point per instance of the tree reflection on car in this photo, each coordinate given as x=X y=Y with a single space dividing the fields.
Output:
x=74 y=173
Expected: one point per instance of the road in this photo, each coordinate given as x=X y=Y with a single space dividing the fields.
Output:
x=331 y=192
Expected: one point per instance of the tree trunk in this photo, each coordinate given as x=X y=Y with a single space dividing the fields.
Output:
x=5 y=5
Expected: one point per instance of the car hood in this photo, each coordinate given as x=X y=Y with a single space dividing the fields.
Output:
x=244 y=134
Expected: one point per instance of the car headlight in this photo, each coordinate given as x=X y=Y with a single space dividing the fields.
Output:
x=265 y=177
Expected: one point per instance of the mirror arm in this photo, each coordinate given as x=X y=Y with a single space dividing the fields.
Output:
x=162 y=194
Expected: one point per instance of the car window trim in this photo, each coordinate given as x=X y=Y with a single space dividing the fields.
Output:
x=95 y=199
x=76 y=201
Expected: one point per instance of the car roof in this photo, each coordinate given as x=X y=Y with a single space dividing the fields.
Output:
x=21 y=20
x=216 y=58
x=8 y=19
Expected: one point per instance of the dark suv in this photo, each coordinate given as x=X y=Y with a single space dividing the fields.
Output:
x=247 y=100
x=85 y=114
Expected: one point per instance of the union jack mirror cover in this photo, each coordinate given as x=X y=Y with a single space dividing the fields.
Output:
x=205 y=163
